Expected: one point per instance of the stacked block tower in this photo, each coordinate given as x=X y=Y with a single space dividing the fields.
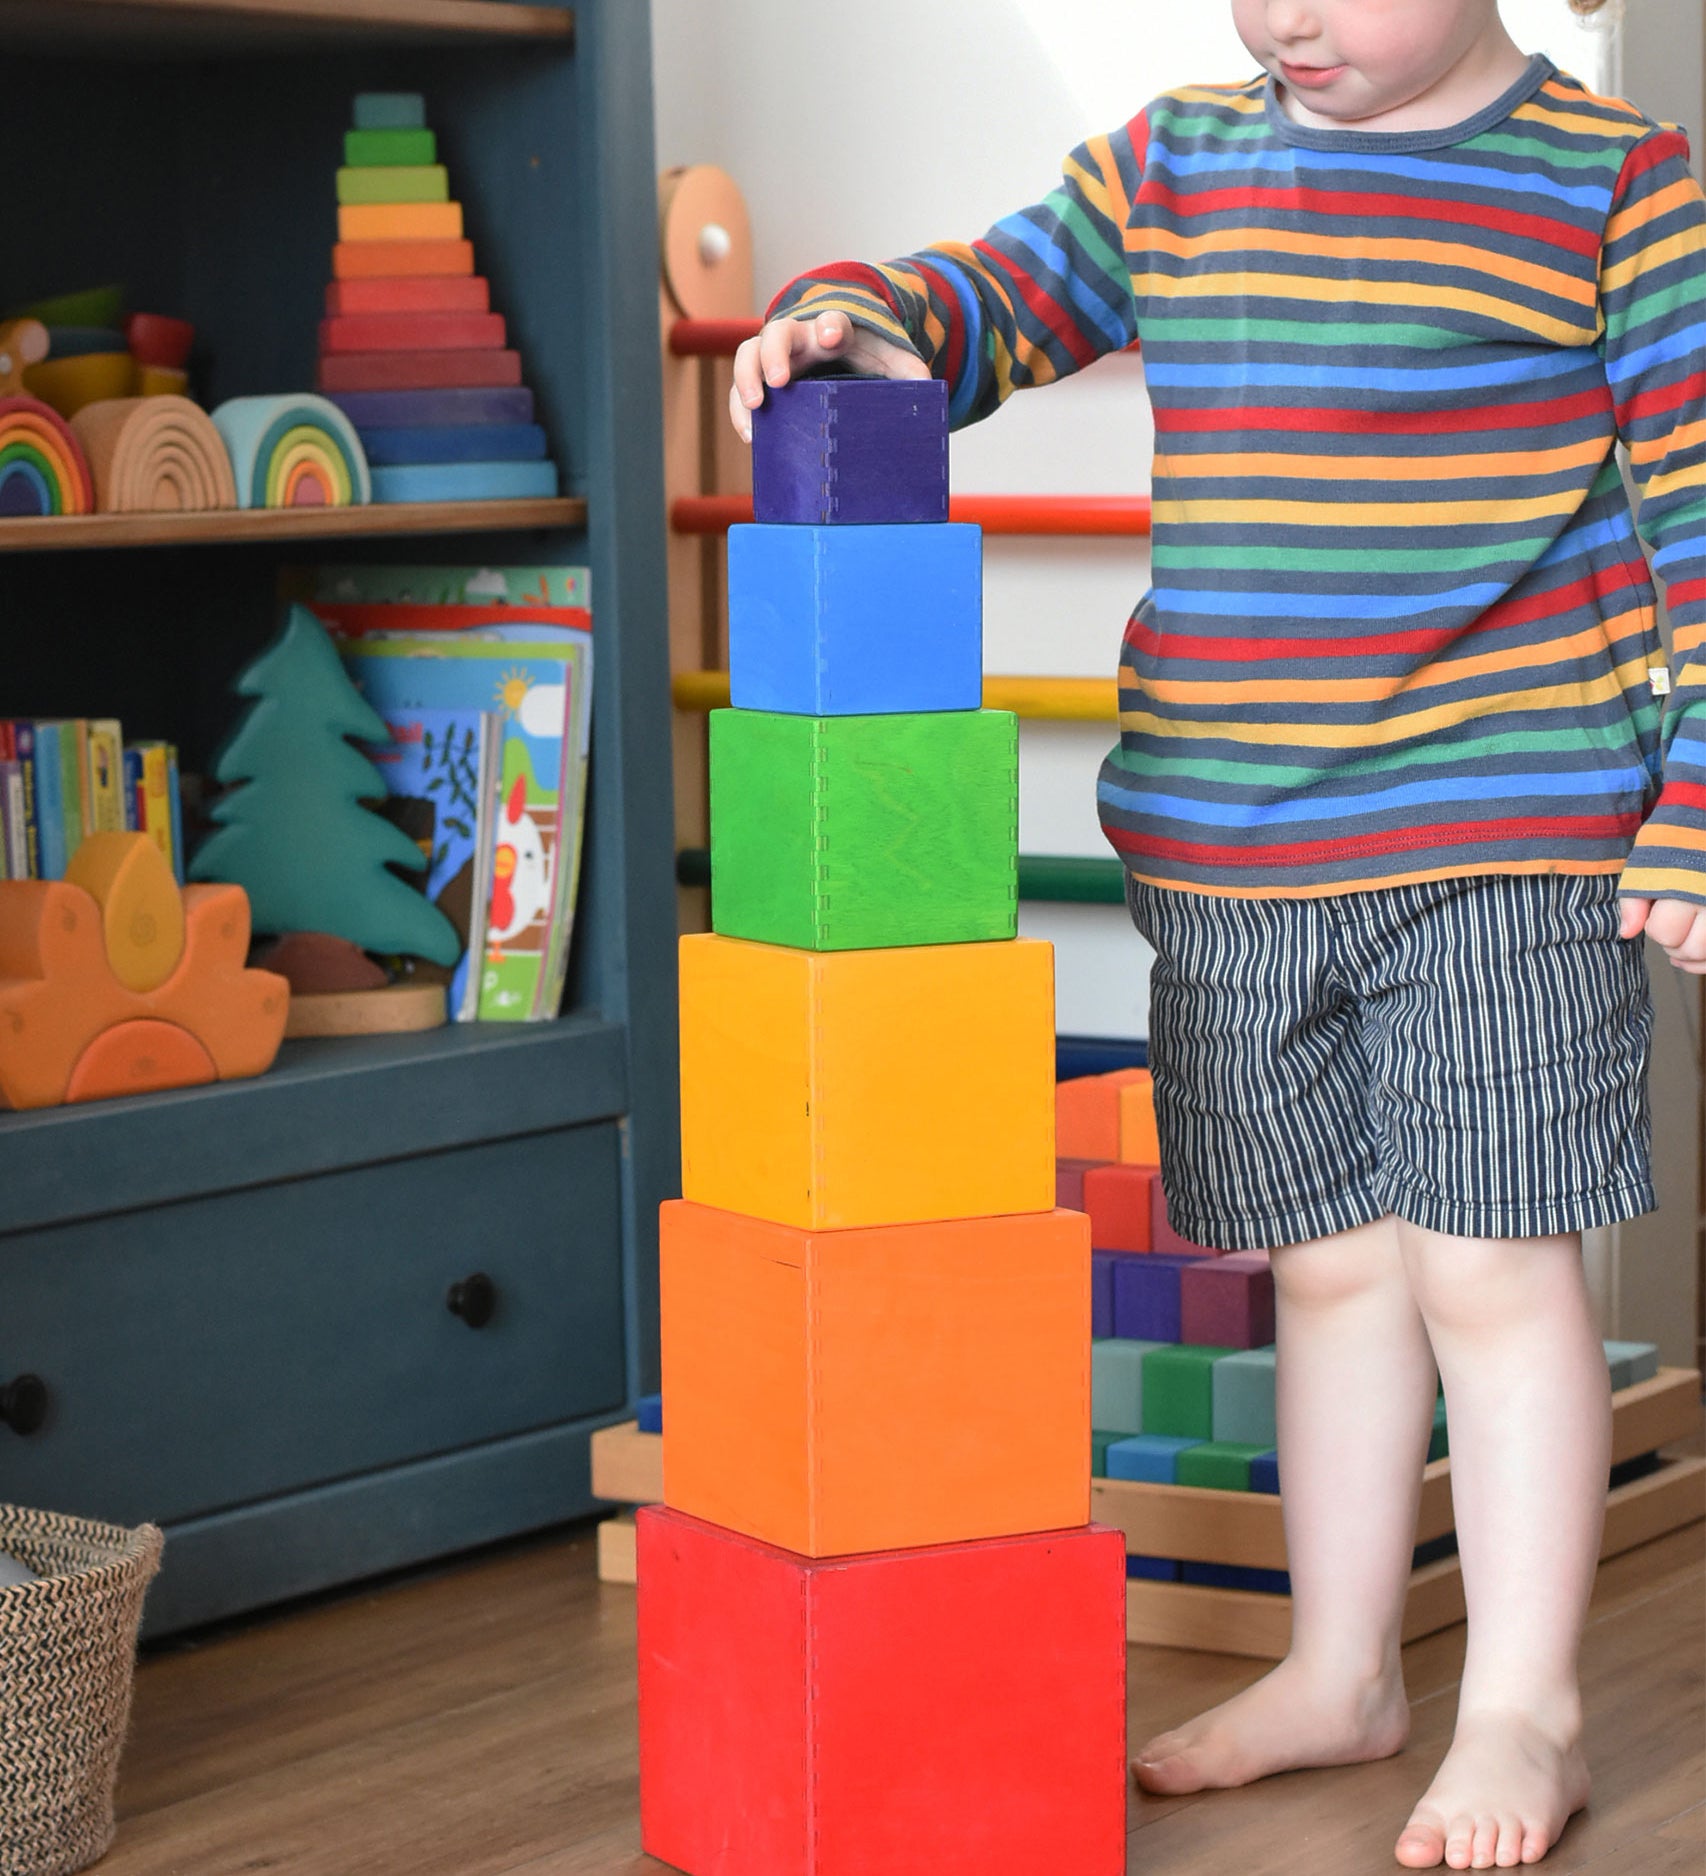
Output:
x=877 y=1631
x=410 y=348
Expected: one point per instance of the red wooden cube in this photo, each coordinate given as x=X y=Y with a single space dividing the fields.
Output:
x=1120 y=1204
x=1162 y=1236
x=1069 y=1182
x=1227 y=1302
x=951 y=1711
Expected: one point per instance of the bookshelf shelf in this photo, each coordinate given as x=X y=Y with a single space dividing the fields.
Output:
x=234 y=25
x=371 y=521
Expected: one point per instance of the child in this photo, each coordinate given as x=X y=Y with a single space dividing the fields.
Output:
x=1390 y=762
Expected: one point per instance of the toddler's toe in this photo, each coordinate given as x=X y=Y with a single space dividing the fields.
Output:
x=1421 y=1845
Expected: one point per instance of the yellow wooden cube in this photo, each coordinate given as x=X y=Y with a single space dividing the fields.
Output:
x=883 y=1087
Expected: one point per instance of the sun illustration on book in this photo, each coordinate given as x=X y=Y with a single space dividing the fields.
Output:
x=512 y=690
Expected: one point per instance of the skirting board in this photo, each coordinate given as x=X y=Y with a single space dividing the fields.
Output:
x=1249 y=1622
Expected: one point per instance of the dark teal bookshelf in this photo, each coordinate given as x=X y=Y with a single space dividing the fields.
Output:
x=238 y=1296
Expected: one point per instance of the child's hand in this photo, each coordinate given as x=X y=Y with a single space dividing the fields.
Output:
x=1676 y=926
x=788 y=346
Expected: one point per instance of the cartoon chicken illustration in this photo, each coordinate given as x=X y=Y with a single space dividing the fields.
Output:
x=521 y=882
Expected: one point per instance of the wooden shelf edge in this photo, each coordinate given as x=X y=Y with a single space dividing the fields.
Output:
x=33 y=534
x=77 y=21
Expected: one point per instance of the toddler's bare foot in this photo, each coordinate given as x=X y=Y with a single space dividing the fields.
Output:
x=1292 y=1717
x=1502 y=1796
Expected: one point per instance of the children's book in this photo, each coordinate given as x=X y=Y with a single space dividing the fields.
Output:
x=13 y=814
x=24 y=742
x=43 y=742
x=148 y=765
x=529 y=631
x=106 y=777
x=441 y=777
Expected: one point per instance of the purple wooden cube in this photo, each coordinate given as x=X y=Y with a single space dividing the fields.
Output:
x=1069 y=1182
x=1146 y=1295
x=851 y=451
x=1227 y=1303
x=1101 y=1295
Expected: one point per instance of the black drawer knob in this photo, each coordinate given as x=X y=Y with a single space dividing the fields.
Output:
x=23 y=1403
x=474 y=1299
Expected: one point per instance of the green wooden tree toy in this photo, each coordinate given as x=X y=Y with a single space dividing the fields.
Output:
x=296 y=834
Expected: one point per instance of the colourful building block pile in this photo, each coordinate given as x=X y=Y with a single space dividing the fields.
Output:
x=876 y=1630
x=1183 y=1355
x=410 y=348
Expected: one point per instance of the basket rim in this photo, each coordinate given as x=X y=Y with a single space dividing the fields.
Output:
x=129 y=1550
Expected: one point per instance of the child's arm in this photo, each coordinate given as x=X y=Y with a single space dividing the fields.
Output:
x=1653 y=301
x=1046 y=292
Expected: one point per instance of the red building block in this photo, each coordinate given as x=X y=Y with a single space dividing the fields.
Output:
x=1121 y=1207
x=1069 y=1182
x=413 y=332
x=951 y=1711
x=415 y=371
x=1227 y=1302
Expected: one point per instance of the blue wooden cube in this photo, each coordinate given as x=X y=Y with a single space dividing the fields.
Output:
x=649 y=1413
x=1264 y=1473
x=1146 y=1295
x=1151 y=1457
x=851 y=451
x=865 y=621
x=1631 y=1362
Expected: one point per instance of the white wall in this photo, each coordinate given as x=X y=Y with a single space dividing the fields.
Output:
x=870 y=130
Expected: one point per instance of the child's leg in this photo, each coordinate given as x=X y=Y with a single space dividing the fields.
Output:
x=1528 y=1393
x=1356 y=1395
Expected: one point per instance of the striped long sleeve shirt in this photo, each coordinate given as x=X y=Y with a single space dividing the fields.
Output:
x=1401 y=626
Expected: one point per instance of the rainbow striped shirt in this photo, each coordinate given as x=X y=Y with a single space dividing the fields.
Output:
x=1400 y=626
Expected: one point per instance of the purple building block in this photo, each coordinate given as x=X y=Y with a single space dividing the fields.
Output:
x=851 y=451
x=1229 y=1302
x=1069 y=1182
x=1101 y=1294
x=1146 y=1295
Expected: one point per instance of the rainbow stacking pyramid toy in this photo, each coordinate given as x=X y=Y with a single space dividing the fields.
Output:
x=877 y=1635
x=410 y=348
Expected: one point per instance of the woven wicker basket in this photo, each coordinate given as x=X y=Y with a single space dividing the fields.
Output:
x=67 y=1663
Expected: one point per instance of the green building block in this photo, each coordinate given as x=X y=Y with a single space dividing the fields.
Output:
x=1100 y=1441
x=422 y=182
x=1116 y=1384
x=1178 y=1390
x=849 y=833
x=1221 y=1465
x=389 y=149
x=390 y=110
x=1439 y=1441
x=1244 y=1397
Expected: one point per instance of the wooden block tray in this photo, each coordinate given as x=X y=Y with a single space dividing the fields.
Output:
x=1245 y=1527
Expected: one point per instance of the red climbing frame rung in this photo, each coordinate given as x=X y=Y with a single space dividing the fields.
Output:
x=995 y=514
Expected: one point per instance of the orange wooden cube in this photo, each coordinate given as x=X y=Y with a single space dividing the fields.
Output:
x=841 y=1391
x=882 y=1087
x=1108 y=1117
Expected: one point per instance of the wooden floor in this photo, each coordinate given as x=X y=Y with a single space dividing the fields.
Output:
x=479 y=1721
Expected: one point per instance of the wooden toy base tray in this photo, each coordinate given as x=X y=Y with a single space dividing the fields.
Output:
x=1245 y=1527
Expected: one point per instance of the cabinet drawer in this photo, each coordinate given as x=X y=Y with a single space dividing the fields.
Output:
x=222 y=1350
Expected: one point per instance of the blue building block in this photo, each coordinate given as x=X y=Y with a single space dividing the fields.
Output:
x=1244 y=1398
x=650 y=1414
x=447 y=443
x=1236 y=1576
x=1101 y=1294
x=1264 y=1473
x=864 y=621
x=390 y=110
x=851 y=451
x=1116 y=1384
x=1631 y=1362
x=1153 y=1569
x=1152 y=1457
x=1146 y=1295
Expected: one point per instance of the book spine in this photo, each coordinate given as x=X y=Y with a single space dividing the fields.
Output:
x=175 y=811
x=156 y=812
x=24 y=738
x=17 y=820
x=133 y=790
x=106 y=776
x=11 y=832
x=85 y=781
x=73 y=771
x=50 y=803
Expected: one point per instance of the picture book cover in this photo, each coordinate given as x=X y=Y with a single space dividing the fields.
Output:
x=440 y=777
x=528 y=687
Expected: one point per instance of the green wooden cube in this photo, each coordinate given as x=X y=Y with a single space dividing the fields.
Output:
x=1099 y=1443
x=1116 y=1383
x=1221 y=1465
x=1178 y=1390
x=420 y=182
x=853 y=832
x=1439 y=1440
x=1244 y=1398
x=389 y=149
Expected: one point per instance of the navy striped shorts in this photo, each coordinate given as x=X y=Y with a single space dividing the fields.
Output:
x=1468 y=1054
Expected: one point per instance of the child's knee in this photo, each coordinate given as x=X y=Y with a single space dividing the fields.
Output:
x=1332 y=1272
